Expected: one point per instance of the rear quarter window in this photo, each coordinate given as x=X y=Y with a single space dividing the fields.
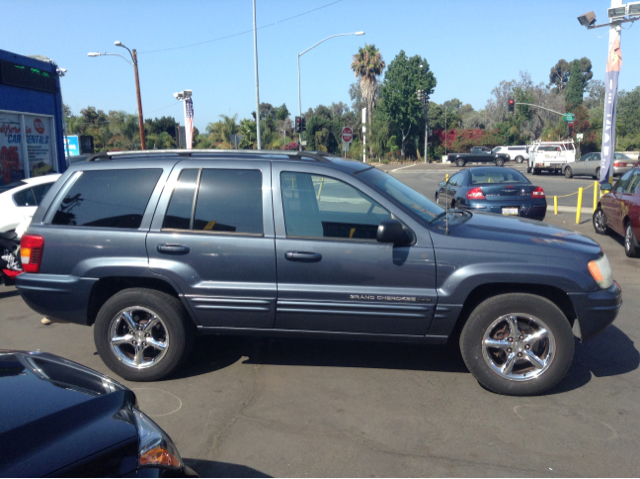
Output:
x=108 y=198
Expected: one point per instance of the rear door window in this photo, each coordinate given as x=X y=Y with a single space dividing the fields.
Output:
x=227 y=201
x=108 y=198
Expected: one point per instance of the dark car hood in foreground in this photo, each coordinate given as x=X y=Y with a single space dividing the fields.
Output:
x=50 y=410
x=497 y=233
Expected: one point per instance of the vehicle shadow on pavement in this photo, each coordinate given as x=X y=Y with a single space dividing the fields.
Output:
x=212 y=353
x=611 y=353
x=357 y=354
x=10 y=293
x=222 y=469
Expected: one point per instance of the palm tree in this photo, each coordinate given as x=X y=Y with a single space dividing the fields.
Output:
x=368 y=64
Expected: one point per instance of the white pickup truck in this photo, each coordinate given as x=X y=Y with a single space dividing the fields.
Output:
x=551 y=156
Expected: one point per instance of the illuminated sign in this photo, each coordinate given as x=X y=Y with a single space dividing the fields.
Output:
x=27 y=77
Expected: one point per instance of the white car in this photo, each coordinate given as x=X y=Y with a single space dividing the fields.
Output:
x=19 y=200
x=518 y=153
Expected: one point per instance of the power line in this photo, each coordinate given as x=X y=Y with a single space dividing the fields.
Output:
x=240 y=33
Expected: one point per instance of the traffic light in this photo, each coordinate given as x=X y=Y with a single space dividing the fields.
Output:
x=570 y=128
x=303 y=125
x=512 y=104
x=298 y=125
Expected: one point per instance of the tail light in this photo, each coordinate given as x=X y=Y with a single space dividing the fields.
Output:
x=617 y=165
x=538 y=193
x=475 y=194
x=31 y=247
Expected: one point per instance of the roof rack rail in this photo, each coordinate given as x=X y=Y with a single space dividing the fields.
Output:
x=111 y=155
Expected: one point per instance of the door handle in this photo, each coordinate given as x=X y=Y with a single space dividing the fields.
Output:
x=171 y=248
x=303 y=256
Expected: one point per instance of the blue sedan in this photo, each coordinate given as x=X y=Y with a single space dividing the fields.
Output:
x=503 y=191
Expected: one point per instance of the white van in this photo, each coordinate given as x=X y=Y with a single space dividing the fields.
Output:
x=518 y=153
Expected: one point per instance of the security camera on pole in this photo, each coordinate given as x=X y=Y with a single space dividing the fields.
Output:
x=185 y=97
x=617 y=16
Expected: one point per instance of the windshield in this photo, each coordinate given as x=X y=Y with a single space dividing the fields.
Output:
x=496 y=150
x=410 y=199
x=621 y=156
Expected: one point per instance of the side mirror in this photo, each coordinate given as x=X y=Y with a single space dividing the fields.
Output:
x=442 y=184
x=392 y=231
x=605 y=186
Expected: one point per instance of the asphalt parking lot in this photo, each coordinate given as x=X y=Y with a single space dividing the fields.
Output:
x=257 y=408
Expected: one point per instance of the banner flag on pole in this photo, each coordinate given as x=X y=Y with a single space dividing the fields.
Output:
x=614 y=62
x=188 y=118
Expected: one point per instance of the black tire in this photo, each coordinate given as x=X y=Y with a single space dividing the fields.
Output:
x=536 y=171
x=630 y=243
x=568 y=172
x=437 y=203
x=484 y=325
x=599 y=221
x=499 y=161
x=460 y=162
x=519 y=159
x=597 y=177
x=175 y=323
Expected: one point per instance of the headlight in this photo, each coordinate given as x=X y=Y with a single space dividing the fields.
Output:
x=600 y=269
x=156 y=448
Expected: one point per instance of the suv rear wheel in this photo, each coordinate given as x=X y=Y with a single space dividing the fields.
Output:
x=519 y=159
x=517 y=344
x=143 y=334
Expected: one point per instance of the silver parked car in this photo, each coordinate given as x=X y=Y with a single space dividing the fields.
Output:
x=589 y=165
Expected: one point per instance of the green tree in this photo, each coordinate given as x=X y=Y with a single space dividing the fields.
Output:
x=368 y=65
x=282 y=113
x=399 y=102
x=561 y=73
x=574 y=88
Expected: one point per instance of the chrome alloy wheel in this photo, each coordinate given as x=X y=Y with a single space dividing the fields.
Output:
x=628 y=238
x=600 y=222
x=518 y=347
x=139 y=337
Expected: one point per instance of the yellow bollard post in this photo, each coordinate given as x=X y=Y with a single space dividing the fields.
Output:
x=555 y=205
x=579 y=210
x=446 y=178
x=595 y=196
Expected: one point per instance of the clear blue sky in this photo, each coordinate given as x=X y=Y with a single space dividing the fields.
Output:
x=470 y=45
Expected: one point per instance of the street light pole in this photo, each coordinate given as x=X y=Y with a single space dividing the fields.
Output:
x=255 y=50
x=143 y=143
x=299 y=55
x=134 y=64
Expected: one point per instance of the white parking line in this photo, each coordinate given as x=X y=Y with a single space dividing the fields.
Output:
x=397 y=169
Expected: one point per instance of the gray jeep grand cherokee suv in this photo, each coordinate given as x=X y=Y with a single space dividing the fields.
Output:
x=154 y=247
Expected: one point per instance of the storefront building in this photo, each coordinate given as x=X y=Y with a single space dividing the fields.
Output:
x=31 y=132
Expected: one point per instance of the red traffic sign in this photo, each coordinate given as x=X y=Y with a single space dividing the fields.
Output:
x=347 y=134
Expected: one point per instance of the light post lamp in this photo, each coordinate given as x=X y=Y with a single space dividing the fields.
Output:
x=299 y=55
x=134 y=64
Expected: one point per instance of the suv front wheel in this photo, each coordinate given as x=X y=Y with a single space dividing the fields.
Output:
x=143 y=334
x=517 y=344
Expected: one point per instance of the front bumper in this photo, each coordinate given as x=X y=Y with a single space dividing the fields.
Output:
x=596 y=310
